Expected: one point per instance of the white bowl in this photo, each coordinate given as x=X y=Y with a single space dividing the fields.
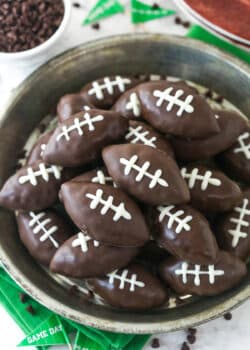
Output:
x=39 y=53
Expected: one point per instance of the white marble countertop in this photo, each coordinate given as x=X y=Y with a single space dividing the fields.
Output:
x=215 y=335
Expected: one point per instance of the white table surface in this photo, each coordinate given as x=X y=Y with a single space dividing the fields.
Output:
x=215 y=335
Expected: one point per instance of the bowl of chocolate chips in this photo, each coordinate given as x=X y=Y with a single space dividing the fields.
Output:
x=30 y=28
x=125 y=184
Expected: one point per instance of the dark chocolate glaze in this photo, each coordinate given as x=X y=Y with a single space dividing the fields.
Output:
x=71 y=104
x=229 y=272
x=38 y=149
x=169 y=189
x=231 y=126
x=128 y=229
x=144 y=293
x=43 y=233
x=83 y=257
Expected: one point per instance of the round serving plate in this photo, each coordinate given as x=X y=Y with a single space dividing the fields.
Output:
x=211 y=26
x=126 y=54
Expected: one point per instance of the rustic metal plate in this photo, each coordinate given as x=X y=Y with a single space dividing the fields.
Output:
x=127 y=54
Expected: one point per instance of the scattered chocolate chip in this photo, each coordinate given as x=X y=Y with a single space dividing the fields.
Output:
x=209 y=93
x=155 y=6
x=87 y=296
x=178 y=20
x=185 y=346
x=192 y=331
x=23 y=297
x=19 y=28
x=191 y=338
x=186 y=24
x=155 y=344
x=219 y=99
x=30 y=310
x=76 y=5
x=95 y=26
x=73 y=290
x=228 y=316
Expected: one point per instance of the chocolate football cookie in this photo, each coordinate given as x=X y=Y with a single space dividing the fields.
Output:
x=36 y=152
x=43 y=233
x=132 y=288
x=98 y=176
x=129 y=105
x=82 y=257
x=80 y=139
x=186 y=278
x=210 y=189
x=231 y=126
x=142 y=133
x=233 y=229
x=102 y=93
x=236 y=160
x=174 y=108
x=107 y=213
x=146 y=173
x=185 y=233
x=34 y=187
x=71 y=104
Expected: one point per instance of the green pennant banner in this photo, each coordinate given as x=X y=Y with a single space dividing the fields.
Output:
x=84 y=343
x=102 y=9
x=50 y=332
x=141 y=12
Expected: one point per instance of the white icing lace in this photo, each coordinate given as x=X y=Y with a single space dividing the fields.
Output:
x=136 y=134
x=175 y=217
x=205 y=179
x=241 y=222
x=244 y=147
x=108 y=85
x=43 y=172
x=123 y=279
x=38 y=223
x=82 y=241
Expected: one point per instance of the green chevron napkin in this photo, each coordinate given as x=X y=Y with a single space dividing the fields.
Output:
x=44 y=328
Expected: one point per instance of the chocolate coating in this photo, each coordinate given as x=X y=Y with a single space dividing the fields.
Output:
x=142 y=133
x=82 y=257
x=231 y=126
x=146 y=173
x=107 y=213
x=38 y=149
x=82 y=144
x=99 y=176
x=210 y=190
x=229 y=271
x=236 y=160
x=177 y=115
x=71 y=104
x=43 y=233
x=140 y=291
x=233 y=229
x=33 y=187
x=103 y=92
x=129 y=105
x=185 y=233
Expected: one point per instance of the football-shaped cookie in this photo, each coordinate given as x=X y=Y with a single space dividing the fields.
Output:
x=185 y=233
x=81 y=256
x=80 y=138
x=129 y=105
x=231 y=126
x=132 y=288
x=142 y=133
x=33 y=187
x=236 y=159
x=233 y=229
x=175 y=109
x=186 y=278
x=103 y=93
x=36 y=152
x=107 y=213
x=146 y=173
x=210 y=190
x=71 y=104
x=43 y=233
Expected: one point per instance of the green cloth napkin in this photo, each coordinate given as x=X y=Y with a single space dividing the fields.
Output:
x=197 y=32
x=95 y=339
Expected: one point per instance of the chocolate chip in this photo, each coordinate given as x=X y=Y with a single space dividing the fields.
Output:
x=192 y=331
x=228 y=316
x=208 y=93
x=219 y=99
x=95 y=26
x=191 y=338
x=155 y=6
x=30 y=310
x=186 y=24
x=178 y=20
x=155 y=343
x=23 y=297
x=73 y=290
x=76 y=5
x=185 y=346
x=19 y=28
